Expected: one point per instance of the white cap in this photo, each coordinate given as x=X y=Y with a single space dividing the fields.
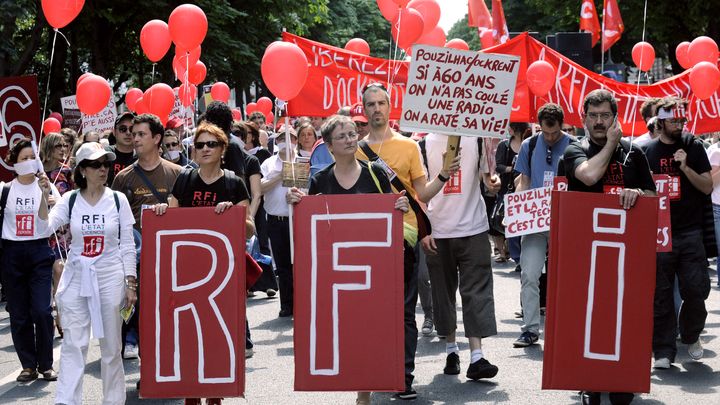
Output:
x=92 y=151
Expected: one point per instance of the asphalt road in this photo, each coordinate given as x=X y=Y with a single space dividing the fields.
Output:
x=269 y=378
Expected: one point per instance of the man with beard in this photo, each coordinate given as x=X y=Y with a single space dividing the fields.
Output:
x=682 y=157
x=604 y=162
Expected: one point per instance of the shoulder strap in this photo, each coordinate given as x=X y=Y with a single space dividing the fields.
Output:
x=147 y=182
x=233 y=180
x=3 y=203
x=374 y=177
x=423 y=153
x=117 y=208
x=182 y=181
x=531 y=148
x=71 y=203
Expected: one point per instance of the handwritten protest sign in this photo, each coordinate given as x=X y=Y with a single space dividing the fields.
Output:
x=182 y=112
x=101 y=121
x=459 y=92
x=72 y=118
x=527 y=212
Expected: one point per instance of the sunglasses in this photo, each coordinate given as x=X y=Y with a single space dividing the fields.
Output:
x=209 y=144
x=361 y=124
x=548 y=156
x=171 y=144
x=61 y=145
x=376 y=84
x=123 y=128
x=96 y=164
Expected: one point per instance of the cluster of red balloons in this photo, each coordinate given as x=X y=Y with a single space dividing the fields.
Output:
x=158 y=100
x=413 y=22
x=263 y=105
x=700 y=55
x=60 y=13
x=284 y=69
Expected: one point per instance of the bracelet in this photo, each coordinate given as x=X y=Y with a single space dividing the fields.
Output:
x=134 y=283
x=443 y=178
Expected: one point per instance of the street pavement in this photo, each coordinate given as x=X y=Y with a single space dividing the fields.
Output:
x=269 y=377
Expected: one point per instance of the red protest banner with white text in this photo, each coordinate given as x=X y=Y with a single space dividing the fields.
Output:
x=457 y=92
x=19 y=116
x=192 y=332
x=663 y=185
x=337 y=77
x=348 y=275
x=527 y=212
x=600 y=293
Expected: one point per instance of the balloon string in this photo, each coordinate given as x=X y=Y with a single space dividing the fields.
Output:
x=637 y=88
x=391 y=78
x=152 y=78
x=64 y=37
x=47 y=85
x=697 y=110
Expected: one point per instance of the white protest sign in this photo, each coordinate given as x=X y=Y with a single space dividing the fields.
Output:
x=456 y=92
x=101 y=121
x=72 y=118
x=527 y=212
x=181 y=112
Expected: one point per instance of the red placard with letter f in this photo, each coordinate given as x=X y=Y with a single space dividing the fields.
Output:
x=348 y=278
x=192 y=323
x=601 y=283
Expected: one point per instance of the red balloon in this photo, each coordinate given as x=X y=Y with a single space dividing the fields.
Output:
x=155 y=40
x=57 y=116
x=237 y=114
x=264 y=105
x=51 y=125
x=681 y=53
x=188 y=26
x=197 y=73
x=187 y=94
x=140 y=107
x=643 y=55
x=82 y=77
x=131 y=97
x=389 y=9
x=93 y=94
x=407 y=27
x=284 y=69
x=60 y=13
x=429 y=10
x=358 y=45
x=703 y=49
x=188 y=58
x=220 y=92
x=179 y=67
x=704 y=80
x=458 y=43
x=540 y=77
x=269 y=118
x=251 y=108
x=159 y=99
x=401 y=3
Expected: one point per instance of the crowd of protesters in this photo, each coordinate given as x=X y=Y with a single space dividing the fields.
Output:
x=78 y=275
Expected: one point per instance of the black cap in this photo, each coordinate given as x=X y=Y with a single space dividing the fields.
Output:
x=124 y=116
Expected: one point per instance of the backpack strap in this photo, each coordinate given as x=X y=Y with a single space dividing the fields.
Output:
x=181 y=182
x=71 y=203
x=374 y=177
x=531 y=148
x=3 y=202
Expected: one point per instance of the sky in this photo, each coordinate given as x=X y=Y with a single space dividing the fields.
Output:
x=451 y=11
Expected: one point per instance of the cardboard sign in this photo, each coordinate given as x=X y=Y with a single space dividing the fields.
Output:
x=600 y=294
x=664 y=186
x=182 y=112
x=19 y=116
x=527 y=212
x=457 y=92
x=192 y=330
x=72 y=117
x=296 y=174
x=348 y=275
x=101 y=121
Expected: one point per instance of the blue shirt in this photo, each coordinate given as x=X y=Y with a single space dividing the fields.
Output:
x=541 y=171
x=320 y=158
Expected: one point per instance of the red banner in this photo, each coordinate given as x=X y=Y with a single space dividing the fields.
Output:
x=19 y=115
x=600 y=293
x=192 y=330
x=348 y=275
x=337 y=77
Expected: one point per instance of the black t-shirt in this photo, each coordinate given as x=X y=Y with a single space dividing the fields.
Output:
x=194 y=192
x=686 y=212
x=262 y=154
x=240 y=162
x=324 y=181
x=122 y=160
x=635 y=173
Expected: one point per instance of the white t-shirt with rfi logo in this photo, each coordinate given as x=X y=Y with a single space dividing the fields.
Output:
x=20 y=222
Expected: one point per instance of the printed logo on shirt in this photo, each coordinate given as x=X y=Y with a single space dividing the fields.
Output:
x=674 y=187
x=548 y=178
x=93 y=245
x=669 y=167
x=454 y=185
x=204 y=199
x=614 y=179
x=25 y=225
x=118 y=167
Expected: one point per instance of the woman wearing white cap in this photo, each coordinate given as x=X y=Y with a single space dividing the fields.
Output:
x=99 y=277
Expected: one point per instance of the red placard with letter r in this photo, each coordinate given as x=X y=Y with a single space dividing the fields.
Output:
x=601 y=282
x=192 y=323
x=348 y=277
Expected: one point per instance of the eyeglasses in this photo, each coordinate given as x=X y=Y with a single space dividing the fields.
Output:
x=61 y=146
x=375 y=84
x=171 y=144
x=604 y=115
x=209 y=144
x=361 y=124
x=96 y=164
x=676 y=121
x=548 y=156
x=123 y=128
x=350 y=135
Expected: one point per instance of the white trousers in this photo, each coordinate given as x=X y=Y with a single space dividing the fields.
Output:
x=75 y=314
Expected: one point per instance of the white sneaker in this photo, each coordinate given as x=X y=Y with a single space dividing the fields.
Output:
x=695 y=350
x=663 y=363
x=131 y=352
